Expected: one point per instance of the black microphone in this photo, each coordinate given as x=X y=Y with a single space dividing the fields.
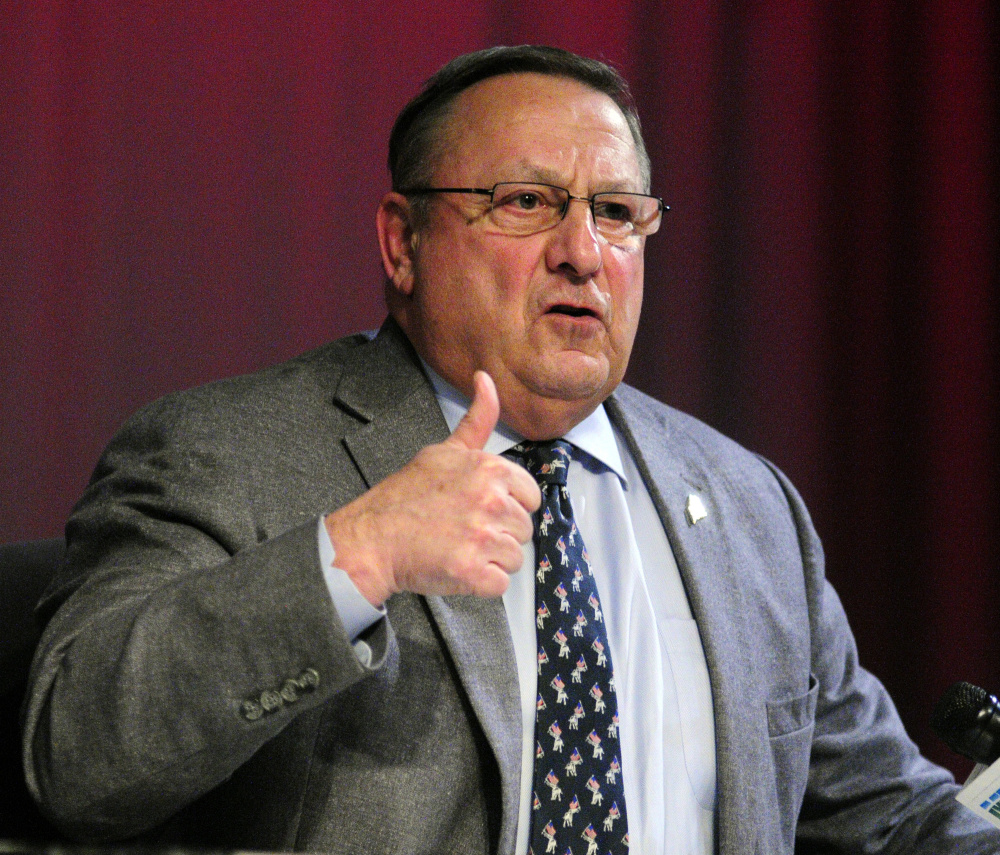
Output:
x=967 y=718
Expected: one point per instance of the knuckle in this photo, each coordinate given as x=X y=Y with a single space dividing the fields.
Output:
x=493 y=502
x=481 y=538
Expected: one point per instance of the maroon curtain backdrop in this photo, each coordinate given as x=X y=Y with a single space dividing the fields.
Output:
x=187 y=191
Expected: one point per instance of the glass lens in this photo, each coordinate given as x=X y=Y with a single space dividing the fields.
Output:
x=522 y=208
x=623 y=214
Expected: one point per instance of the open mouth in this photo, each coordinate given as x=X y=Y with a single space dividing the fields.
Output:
x=572 y=311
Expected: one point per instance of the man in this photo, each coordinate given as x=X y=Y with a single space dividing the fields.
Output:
x=293 y=616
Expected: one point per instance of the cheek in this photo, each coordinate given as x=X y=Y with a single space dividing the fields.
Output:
x=626 y=272
x=503 y=277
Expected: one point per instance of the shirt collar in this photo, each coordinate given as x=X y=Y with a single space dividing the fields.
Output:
x=594 y=435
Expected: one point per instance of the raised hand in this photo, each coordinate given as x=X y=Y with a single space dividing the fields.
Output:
x=452 y=521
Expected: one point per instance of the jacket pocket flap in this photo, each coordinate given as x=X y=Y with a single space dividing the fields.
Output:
x=792 y=714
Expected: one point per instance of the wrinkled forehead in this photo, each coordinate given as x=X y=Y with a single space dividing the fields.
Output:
x=549 y=123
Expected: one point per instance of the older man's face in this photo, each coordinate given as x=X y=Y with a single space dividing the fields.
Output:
x=551 y=316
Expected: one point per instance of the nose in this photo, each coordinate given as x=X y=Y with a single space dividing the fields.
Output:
x=574 y=246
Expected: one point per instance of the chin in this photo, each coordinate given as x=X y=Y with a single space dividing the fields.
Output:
x=601 y=372
x=569 y=385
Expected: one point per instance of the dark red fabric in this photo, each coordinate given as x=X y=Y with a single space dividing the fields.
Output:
x=188 y=192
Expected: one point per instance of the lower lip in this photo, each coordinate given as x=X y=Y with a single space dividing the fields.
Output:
x=574 y=320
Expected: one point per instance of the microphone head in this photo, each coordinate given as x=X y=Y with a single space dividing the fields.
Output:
x=967 y=718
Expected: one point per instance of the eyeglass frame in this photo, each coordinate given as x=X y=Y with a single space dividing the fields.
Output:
x=480 y=191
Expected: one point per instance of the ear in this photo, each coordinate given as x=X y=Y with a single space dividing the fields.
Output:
x=397 y=241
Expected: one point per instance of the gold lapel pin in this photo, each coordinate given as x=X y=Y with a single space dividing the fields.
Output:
x=695 y=509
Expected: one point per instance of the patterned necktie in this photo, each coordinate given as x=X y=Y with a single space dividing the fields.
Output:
x=578 y=804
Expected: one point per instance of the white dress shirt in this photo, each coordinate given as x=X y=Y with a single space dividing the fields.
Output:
x=664 y=698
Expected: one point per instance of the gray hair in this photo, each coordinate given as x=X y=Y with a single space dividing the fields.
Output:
x=416 y=134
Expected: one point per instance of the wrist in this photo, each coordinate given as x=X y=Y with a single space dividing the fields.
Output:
x=356 y=557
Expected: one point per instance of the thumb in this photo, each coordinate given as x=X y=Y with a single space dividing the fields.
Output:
x=481 y=418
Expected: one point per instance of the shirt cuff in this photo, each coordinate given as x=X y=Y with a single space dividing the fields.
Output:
x=356 y=613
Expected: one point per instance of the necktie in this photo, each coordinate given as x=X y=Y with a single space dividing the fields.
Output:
x=578 y=804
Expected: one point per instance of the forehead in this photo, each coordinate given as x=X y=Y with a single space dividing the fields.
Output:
x=529 y=126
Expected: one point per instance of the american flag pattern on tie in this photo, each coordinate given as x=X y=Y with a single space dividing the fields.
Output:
x=578 y=803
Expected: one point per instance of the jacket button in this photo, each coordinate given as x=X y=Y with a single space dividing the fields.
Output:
x=290 y=691
x=270 y=700
x=252 y=710
x=308 y=679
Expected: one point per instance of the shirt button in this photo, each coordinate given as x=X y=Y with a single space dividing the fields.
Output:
x=290 y=691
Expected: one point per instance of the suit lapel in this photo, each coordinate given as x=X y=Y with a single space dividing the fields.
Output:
x=672 y=467
x=478 y=637
x=382 y=385
x=385 y=388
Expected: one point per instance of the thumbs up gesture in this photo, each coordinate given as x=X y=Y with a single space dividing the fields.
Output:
x=452 y=521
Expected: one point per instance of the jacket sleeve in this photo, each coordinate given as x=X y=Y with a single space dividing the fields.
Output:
x=869 y=790
x=192 y=622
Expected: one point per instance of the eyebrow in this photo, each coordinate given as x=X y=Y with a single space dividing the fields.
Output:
x=542 y=175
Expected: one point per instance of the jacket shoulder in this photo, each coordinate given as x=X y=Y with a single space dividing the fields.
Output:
x=268 y=396
x=664 y=438
x=642 y=413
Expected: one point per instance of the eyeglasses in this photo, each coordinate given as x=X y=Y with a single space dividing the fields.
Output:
x=525 y=208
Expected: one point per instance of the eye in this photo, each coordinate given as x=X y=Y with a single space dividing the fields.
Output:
x=613 y=210
x=526 y=197
x=521 y=199
x=523 y=208
x=527 y=200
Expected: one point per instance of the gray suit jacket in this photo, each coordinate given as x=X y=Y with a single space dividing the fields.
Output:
x=195 y=684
